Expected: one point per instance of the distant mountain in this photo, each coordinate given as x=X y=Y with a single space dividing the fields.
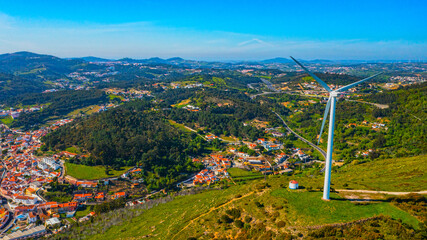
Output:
x=323 y=61
x=95 y=59
x=144 y=61
x=157 y=60
x=27 y=63
x=176 y=59
x=277 y=60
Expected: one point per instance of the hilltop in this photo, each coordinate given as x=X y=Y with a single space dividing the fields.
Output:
x=269 y=209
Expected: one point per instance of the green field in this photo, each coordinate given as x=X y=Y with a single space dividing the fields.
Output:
x=7 y=120
x=86 y=110
x=91 y=172
x=72 y=150
x=179 y=126
x=219 y=81
x=32 y=71
x=112 y=97
x=241 y=174
x=83 y=211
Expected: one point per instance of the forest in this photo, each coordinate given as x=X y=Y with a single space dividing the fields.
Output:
x=11 y=86
x=132 y=135
x=60 y=103
x=222 y=112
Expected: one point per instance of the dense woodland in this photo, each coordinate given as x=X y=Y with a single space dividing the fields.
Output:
x=60 y=103
x=222 y=112
x=407 y=133
x=11 y=85
x=130 y=135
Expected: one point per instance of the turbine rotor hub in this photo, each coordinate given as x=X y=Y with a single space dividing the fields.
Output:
x=333 y=94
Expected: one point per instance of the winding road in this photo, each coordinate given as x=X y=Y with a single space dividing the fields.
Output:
x=300 y=137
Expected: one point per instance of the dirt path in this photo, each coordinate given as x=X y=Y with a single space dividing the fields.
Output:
x=381 y=106
x=211 y=210
x=380 y=192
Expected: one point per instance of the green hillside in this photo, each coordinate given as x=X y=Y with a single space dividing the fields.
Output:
x=397 y=174
x=269 y=210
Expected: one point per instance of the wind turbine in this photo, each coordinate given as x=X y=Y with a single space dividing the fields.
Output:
x=333 y=94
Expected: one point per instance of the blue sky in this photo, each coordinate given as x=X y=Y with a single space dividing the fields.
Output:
x=217 y=30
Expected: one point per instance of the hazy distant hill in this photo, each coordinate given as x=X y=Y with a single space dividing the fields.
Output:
x=27 y=63
x=277 y=60
x=95 y=59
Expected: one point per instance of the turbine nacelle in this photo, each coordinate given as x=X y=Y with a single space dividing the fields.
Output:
x=335 y=94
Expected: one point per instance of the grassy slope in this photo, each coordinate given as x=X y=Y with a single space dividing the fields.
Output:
x=168 y=219
x=307 y=209
x=401 y=174
x=173 y=220
x=240 y=174
x=90 y=173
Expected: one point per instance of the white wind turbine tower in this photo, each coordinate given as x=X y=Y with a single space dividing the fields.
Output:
x=331 y=104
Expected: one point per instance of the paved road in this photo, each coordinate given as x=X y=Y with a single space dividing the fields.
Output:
x=380 y=192
x=40 y=196
x=303 y=139
x=268 y=84
x=250 y=86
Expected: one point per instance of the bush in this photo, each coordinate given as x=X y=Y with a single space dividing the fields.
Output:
x=234 y=212
x=238 y=224
x=258 y=204
x=238 y=196
x=248 y=219
x=225 y=219
x=327 y=231
x=281 y=224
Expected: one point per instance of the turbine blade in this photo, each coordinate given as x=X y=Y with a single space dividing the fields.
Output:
x=313 y=76
x=356 y=83
x=325 y=115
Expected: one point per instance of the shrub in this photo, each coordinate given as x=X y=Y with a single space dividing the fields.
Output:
x=258 y=204
x=225 y=219
x=326 y=231
x=248 y=219
x=281 y=224
x=238 y=224
x=238 y=196
x=234 y=212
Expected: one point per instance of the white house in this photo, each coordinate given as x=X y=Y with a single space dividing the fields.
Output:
x=293 y=184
